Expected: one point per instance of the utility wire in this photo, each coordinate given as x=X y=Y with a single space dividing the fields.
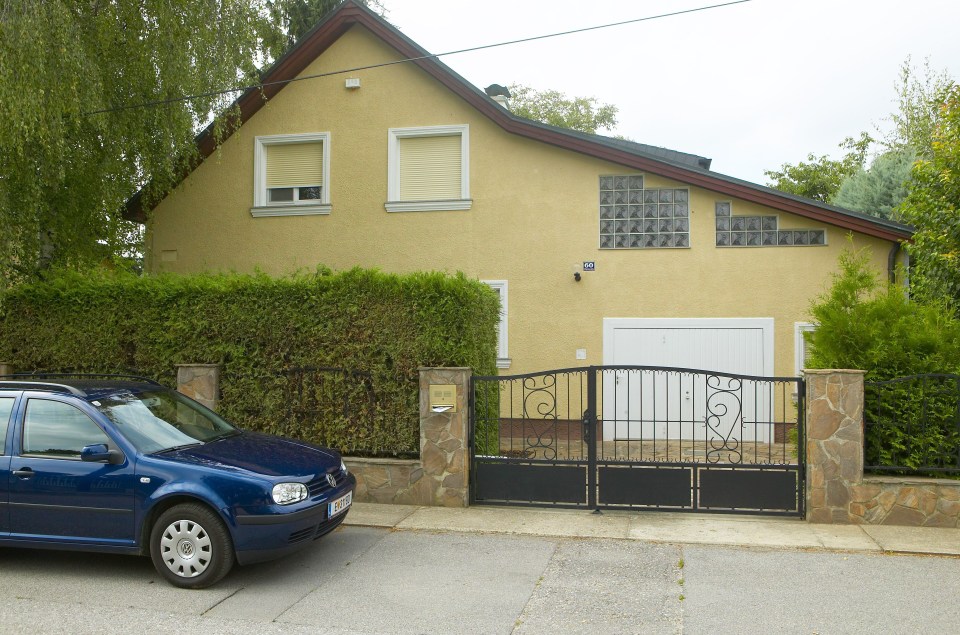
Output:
x=261 y=85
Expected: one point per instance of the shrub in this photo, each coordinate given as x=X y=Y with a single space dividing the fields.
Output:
x=256 y=327
x=875 y=327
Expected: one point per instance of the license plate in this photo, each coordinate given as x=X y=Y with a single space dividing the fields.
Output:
x=340 y=505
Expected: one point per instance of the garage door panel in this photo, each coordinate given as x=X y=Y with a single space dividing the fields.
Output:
x=671 y=405
x=727 y=350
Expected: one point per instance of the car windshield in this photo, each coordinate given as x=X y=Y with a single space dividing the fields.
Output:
x=155 y=421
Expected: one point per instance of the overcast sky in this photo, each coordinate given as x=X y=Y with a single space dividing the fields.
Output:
x=751 y=86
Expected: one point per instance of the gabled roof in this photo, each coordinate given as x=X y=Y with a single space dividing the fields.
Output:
x=679 y=166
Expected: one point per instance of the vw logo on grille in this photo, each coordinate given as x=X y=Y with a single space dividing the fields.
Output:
x=331 y=480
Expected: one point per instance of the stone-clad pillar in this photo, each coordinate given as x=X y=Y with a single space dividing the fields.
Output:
x=6 y=368
x=834 y=443
x=444 y=439
x=200 y=382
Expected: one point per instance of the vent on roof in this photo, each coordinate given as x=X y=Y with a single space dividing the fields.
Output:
x=499 y=94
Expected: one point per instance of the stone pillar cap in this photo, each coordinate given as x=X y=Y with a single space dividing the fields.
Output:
x=831 y=371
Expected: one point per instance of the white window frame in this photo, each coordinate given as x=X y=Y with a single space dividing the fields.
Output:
x=261 y=205
x=800 y=344
x=503 y=356
x=394 y=204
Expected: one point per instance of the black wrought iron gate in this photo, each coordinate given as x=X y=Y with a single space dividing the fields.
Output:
x=638 y=437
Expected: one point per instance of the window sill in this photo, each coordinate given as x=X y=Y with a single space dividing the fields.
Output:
x=504 y=362
x=291 y=210
x=429 y=206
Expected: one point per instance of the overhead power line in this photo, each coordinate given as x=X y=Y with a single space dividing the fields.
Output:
x=261 y=85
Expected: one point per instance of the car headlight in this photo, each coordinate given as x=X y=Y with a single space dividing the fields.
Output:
x=289 y=493
x=343 y=467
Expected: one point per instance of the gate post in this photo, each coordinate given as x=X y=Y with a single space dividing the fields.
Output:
x=445 y=439
x=834 y=443
x=6 y=368
x=200 y=382
x=590 y=431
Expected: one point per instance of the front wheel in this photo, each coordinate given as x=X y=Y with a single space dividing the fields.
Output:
x=190 y=546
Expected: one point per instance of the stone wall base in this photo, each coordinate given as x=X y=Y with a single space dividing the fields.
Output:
x=917 y=502
x=396 y=481
x=837 y=489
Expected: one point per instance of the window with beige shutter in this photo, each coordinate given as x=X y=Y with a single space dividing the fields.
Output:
x=428 y=169
x=292 y=175
x=294 y=172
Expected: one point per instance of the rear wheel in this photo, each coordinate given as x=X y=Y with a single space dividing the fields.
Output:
x=191 y=547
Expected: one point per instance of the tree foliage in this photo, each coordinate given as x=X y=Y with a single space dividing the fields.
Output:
x=920 y=97
x=881 y=188
x=820 y=177
x=933 y=208
x=72 y=146
x=584 y=114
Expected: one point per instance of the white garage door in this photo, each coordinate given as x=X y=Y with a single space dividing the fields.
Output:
x=658 y=406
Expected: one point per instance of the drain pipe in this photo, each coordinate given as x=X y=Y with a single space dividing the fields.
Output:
x=892 y=262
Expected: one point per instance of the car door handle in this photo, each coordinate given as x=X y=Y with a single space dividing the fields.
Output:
x=25 y=473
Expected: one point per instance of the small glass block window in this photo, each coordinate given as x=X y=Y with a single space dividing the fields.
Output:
x=759 y=231
x=634 y=217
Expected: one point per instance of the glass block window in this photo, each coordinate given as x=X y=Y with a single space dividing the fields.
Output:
x=760 y=231
x=633 y=217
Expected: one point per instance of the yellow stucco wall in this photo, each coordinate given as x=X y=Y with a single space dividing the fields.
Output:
x=534 y=215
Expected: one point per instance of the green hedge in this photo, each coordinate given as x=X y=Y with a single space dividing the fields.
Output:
x=914 y=423
x=385 y=326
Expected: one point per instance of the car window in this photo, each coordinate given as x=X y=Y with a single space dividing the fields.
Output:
x=54 y=428
x=6 y=407
x=163 y=419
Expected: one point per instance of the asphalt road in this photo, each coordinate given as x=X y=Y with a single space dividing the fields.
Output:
x=366 y=580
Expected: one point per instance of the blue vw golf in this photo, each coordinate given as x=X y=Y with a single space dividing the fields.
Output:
x=126 y=465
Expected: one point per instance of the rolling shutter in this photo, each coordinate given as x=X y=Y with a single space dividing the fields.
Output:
x=294 y=164
x=430 y=168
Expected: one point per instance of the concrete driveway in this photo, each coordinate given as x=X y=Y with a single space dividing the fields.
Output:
x=381 y=580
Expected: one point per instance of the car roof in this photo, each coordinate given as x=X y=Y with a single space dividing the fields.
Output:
x=85 y=386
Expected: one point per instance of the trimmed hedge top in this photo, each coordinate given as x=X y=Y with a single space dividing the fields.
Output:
x=256 y=327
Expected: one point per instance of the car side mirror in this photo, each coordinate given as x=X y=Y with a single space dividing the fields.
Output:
x=100 y=453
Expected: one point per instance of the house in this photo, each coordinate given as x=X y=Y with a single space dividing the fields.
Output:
x=603 y=251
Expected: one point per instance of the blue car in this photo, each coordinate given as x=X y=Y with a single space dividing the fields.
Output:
x=126 y=465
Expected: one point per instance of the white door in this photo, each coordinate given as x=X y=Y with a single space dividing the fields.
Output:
x=673 y=405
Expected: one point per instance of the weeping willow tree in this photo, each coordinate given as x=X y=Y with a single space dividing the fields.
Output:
x=76 y=139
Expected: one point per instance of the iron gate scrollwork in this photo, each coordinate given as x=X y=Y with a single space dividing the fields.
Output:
x=637 y=437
